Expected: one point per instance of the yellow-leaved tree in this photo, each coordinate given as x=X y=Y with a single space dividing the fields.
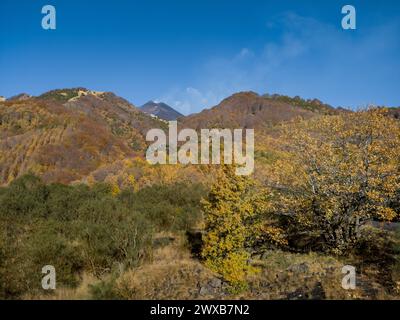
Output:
x=338 y=172
x=232 y=213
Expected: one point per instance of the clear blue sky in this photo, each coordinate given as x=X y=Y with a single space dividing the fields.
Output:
x=191 y=54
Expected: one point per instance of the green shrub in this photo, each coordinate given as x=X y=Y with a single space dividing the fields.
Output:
x=104 y=289
x=25 y=196
x=79 y=228
x=64 y=201
x=114 y=238
x=73 y=228
x=375 y=246
x=49 y=245
x=168 y=207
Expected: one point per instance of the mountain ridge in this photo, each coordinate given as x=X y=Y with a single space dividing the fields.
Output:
x=65 y=135
x=250 y=110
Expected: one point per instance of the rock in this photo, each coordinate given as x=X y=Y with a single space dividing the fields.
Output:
x=215 y=283
x=296 y=295
x=2 y=99
x=299 y=268
x=212 y=287
x=318 y=292
x=204 y=291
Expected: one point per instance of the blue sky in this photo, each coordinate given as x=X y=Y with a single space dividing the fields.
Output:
x=191 y=54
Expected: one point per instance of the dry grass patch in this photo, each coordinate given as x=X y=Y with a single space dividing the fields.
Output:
x=173 y=274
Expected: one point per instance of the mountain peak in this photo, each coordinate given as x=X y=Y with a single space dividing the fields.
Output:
x=240 y=98
x=251 y=94
x=160 y=110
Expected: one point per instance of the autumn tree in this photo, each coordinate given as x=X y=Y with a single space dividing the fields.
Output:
x=338 y=172
x=232 y=210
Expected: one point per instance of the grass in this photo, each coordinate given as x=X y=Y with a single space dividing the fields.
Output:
x=82 y=292
x=174 y=273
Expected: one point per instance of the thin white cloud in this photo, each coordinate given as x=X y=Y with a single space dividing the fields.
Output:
x=310 y=58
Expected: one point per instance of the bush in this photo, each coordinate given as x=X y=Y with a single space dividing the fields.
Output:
x=118 y=239
x=49 y=245
x=64 y=201
x=375 y=246
x=168 y=207
x=104 y=290
x=24 y=254
x=24 y=197
x=70 y=227
x=80 y=228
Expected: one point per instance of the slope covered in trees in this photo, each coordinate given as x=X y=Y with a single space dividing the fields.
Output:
x=250 y=110
x=64 y=135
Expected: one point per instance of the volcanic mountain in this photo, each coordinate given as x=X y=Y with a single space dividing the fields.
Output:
x=160 y=110
x=64 y=135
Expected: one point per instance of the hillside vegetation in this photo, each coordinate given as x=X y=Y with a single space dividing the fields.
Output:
x=64 y=135
x=78 y=194
x=250 y=110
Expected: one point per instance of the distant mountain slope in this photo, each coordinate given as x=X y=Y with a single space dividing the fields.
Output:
x=64 y=135
x=120 y=114
x=19 y=97
x=250 y=110
x=161 y=110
